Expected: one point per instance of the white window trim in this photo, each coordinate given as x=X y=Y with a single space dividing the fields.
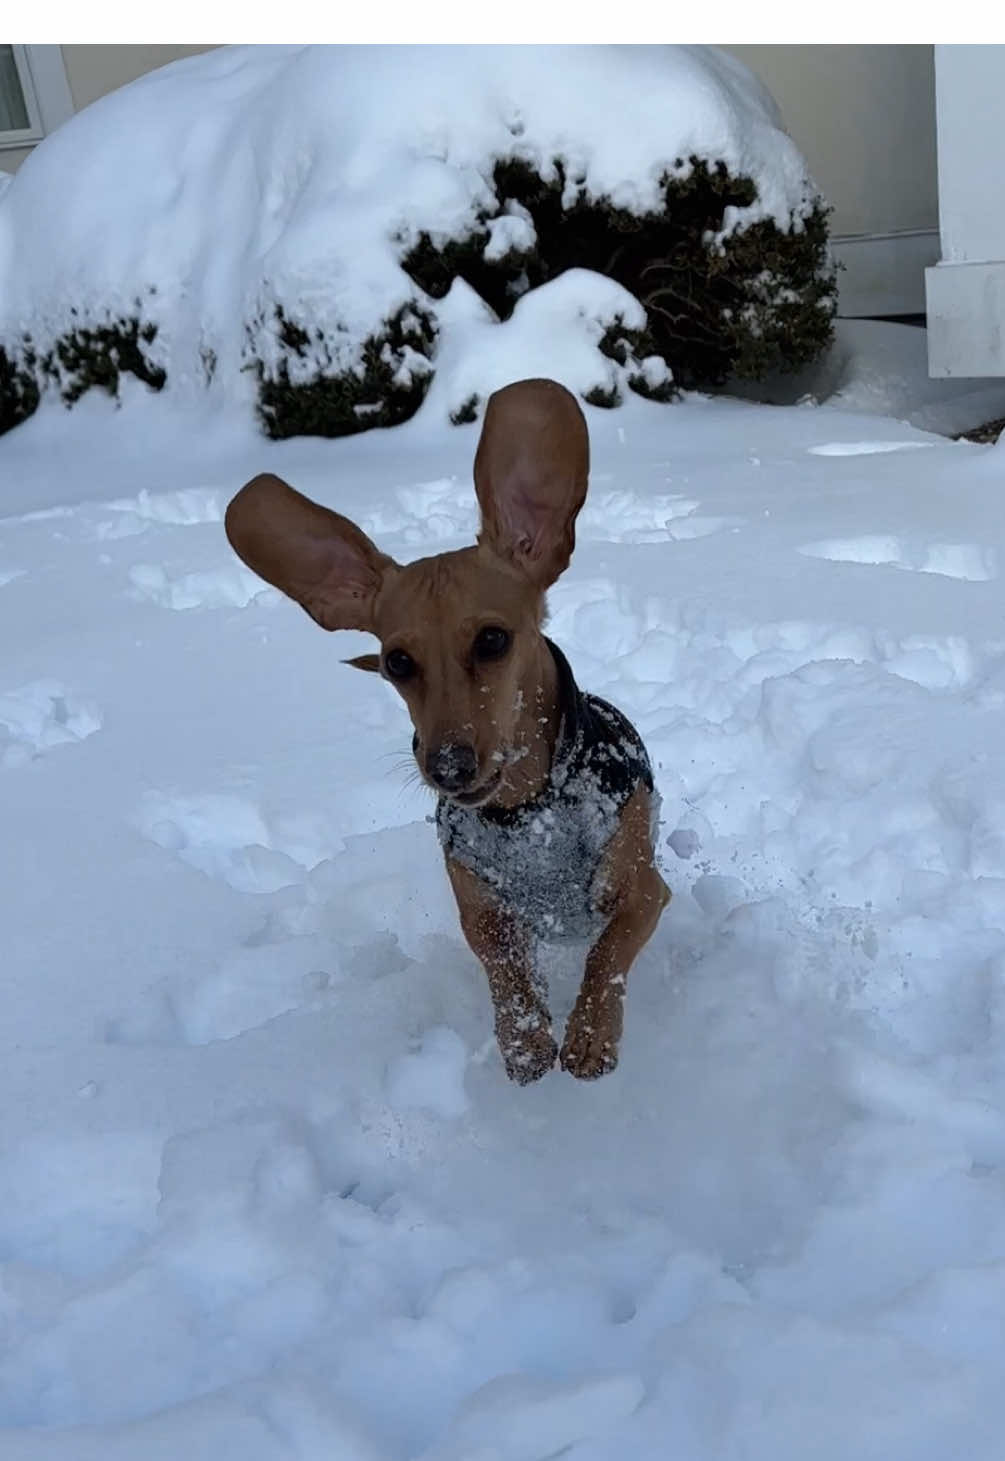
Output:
x=46 y=93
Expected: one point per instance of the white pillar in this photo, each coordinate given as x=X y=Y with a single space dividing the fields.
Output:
x=966 y=290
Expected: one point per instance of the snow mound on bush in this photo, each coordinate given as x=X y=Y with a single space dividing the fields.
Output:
x=554 y=331
x=207 y=193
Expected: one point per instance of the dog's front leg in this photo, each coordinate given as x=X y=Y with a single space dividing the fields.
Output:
x=633 y=895
x=505 y=951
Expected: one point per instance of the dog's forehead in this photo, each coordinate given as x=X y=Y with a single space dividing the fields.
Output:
x=452 y=588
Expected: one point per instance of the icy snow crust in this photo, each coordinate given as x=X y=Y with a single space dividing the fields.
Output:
x=265 y=1191
x=256 y=174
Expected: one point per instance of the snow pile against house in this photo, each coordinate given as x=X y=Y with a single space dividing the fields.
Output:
x=291 y=228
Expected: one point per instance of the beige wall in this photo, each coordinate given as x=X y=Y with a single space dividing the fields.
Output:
x=864 y=117
x=93 y=71
x=11 y=158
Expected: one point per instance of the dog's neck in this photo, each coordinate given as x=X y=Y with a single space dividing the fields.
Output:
x=536 y=731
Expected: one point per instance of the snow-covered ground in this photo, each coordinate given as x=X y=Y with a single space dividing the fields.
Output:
x=265 y=1191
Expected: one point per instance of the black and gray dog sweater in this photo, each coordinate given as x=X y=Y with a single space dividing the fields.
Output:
x=542 y=857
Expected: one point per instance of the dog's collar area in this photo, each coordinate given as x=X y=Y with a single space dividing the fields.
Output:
x=591 y=734
x=569 y=727
x=541 y=857
x=568 y=705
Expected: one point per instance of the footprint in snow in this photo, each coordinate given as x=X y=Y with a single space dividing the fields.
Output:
x=187 y=507
x=968 y=561
x=444 y=511
x=76 y=1204
x=622 y=516
x=226 y=836
x=425 y=513
x=251 y=987
x=431 y=1077
x=231 y=586
x=40 y=715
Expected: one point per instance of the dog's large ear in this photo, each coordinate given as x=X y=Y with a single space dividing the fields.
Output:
x=531 y=471
x=312 y=554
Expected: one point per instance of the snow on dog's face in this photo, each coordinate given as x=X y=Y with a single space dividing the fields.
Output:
x=459 y=632
x=460 y=637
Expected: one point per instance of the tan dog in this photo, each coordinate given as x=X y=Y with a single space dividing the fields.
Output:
x=546 y=803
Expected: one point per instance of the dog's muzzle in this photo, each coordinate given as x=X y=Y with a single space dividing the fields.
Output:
x=452 y=766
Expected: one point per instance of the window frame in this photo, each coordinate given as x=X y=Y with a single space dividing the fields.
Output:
x=46 y=91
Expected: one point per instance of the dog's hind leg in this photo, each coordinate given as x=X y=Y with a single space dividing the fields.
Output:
x=505 y=951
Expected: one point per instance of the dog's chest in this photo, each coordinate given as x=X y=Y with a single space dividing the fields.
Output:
x=543 y=858
x=543 y=863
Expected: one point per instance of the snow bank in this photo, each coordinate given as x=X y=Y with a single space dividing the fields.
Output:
x=881 y=369
x=205 y=195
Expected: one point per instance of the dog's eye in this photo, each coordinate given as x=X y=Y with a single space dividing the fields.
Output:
x=399 y=665
x=491 y=642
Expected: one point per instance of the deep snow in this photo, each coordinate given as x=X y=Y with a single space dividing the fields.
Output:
x=264 y=1188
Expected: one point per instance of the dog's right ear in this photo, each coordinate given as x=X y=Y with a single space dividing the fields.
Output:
x=531 y=471
x=315 y=556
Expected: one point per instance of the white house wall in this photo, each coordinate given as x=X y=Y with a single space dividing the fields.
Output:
x=966 y=290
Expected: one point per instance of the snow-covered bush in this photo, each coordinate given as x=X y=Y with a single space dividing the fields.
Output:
x=19 y=393
x=84 y=356
x=313 y=230
x=718 y=302
x=317 y=383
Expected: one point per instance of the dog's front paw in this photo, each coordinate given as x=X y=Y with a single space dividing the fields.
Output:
x=590 y=1048
x=530 y=1057
x=523 y=1033
x=587 y=1055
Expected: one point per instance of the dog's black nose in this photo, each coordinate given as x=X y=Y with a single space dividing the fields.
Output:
x=451 y=766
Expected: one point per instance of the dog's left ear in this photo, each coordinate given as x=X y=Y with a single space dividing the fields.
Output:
x=531 y=473
x=316 y=556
